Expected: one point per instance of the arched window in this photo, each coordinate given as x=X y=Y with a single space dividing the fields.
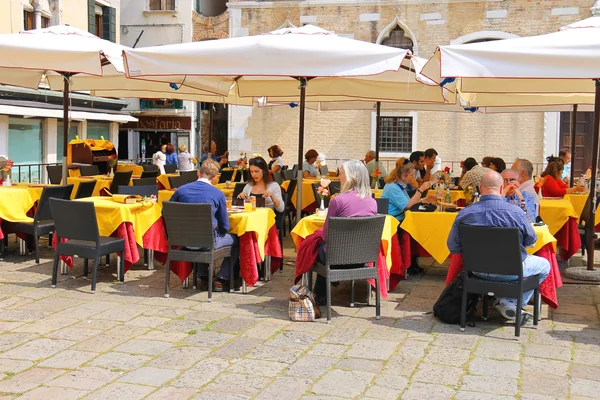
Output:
x=399 y=39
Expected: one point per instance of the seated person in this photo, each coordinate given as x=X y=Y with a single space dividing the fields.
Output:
x=396 y=190
x=472 y=174
x=417 y=159
x=525 y=169
x=309 y=168
x=551 y=183
x=513 y=195
x=492 y=210
x=222 y=160
x=276 y=164
x=354 y=201
x=372 y=165
x=486 y=161
x=260 y=185
x=497 y=164
x=202 y=191
x=430 y=157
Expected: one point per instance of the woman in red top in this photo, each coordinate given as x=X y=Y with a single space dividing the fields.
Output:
x=552 y=185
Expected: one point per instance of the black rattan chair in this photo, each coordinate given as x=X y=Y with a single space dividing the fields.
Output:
x=239 y=188
x=177 y=181
x=76 y=221
x=382 y=206
x=226 y=175
x=42 y=223
x=85 y=189
x=150 y=174
x=289 y=206
x=288 y=175
x=144 y=182
x=239 y=174
x=315 y=188
x=324 y=170
x=120 y=179
x=190 y=226
x=495 y=250
x=144 y=191
x=89 y=170
x=585 y=213
x=189 y=176
x=335 y=187
x=351 y=241
x=294 y=171
x=54 y=174
x=277 y=177
x=150 y=167
x=170 y=168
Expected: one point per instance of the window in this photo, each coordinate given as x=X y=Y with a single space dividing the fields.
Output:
x=168 y=104
x=97 y=130
x=396 y=135
x=29 y=21
x=25 y=146
x=59 y=138
x=398 y=39
x=162 y=5
x=99 y=26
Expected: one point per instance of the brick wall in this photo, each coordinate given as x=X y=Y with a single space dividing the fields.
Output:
x=347 y=134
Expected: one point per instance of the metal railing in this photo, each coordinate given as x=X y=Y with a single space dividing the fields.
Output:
x=30 y=173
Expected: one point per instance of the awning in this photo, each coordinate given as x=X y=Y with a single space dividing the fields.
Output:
x=57 y=113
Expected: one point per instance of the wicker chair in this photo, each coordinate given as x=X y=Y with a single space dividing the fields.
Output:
x=144 y=182
x=382 y=206
x=144 y=191
x=177 y=181
x=189 y=176
x=120 y=179
x=85 y=189
x=190 y=225
x=351 y=241
x=170 y=168
x=226 y=175
x=150 y=174
x=54 y=174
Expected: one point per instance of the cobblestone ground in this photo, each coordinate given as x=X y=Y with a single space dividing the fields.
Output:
x=129 y=342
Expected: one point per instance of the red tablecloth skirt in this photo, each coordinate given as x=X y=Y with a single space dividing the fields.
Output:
x=249 y=257
x=547 y=288
x=568 y=239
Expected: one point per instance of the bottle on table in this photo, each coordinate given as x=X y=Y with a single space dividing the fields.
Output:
x=448 y=197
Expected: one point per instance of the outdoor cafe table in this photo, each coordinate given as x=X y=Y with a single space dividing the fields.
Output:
x=139 y=224
x=308 y=196
x=102 y=182
x=431 y=230
x=394 y=264
x=455 y=194
x=163 y=181
x=136 y=169
x=561 y=218
x=15 y=204
x=578 y=201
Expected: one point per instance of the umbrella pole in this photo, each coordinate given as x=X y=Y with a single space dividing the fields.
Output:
x=377 y=129
x=573 y=133
x=299 y=177
x=590 y=223
x=65 y=170
x=210 y=128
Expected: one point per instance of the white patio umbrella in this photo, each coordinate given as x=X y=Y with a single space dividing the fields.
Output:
x=562 y=62
x=308 y=60
x=67 y=59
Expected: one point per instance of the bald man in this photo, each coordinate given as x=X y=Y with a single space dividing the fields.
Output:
x=492 y=210
x=222 y=160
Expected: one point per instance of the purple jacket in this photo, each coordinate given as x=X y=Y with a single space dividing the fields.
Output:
x=349 y=205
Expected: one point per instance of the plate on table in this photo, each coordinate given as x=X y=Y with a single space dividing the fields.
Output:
x=552 y=198
x=235 y=211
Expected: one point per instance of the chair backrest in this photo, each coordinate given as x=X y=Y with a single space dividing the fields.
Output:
x=177 y=181
x=144 y=191
x=491 y=249
x=239 y=188
x=382 y=206
x=144 y=182
x=150 y=167
x=277 y=177
x=324 y=170
x=290 y=191
x=89 y=170
x=75 y=220
x=381 y=183
x=85 y=189
x=295 y=171
x=335 y=187
x=354 y=240
x=150 y=174
x=288 y=175
x=585 y=213
x=285 y=167
x=170 y=168
x=189 y=176
x=226 y=175
x=120 y=179
x=239 y=174
x=189 y=224
x=54 y=174
x=315 y=188
x=43 y=211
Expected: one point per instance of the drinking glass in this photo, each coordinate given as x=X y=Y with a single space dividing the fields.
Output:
x=247 y=205
x=228 y=202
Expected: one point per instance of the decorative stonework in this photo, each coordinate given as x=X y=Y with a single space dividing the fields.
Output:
x=207 y=28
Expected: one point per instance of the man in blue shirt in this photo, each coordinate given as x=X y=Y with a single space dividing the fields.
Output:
x=202 y=191
x=513 y=195
x=222 y=160
x=492 y=210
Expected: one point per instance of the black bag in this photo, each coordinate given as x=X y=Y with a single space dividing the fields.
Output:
x=447 y=306
x=423 y=207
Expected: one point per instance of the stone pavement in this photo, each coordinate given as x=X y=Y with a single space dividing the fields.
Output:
x=129 y=342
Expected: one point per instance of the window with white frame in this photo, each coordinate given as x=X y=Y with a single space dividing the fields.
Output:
x=162 y=5
x=397 y=135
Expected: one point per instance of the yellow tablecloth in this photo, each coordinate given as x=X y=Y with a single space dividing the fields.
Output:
x=308 y=196
x=455 y=195
x=110 y=214
x=75 y=172
x=578 y=201
x=15 y=202
x=136 y=169
x=165 y=195
x=431 y=231
x=101 y=182
x=556 y=213
x=377 y=193
x=308 y=225
x=223 y=188
x=35 y=190
x=164 y=180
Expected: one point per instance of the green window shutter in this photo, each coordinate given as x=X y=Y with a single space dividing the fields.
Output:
x=178 y=104
x=109 y=22
x=92 y=16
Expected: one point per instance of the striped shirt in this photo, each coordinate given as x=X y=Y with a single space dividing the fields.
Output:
x=473 y=177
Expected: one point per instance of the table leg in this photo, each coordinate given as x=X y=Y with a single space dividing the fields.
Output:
x=244 y=287
x=186 y=283
x=63 y=267
x=150 y=260
x=267 y=268
x=22 y=247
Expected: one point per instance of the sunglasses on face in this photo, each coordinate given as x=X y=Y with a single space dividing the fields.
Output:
x=506 y=180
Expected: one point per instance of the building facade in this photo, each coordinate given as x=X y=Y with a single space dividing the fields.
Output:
x=31 y=127
x=420 y=25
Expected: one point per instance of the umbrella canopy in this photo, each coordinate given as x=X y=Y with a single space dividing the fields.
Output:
x=561 y=62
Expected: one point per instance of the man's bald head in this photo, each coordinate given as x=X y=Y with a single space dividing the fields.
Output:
x=491 y=183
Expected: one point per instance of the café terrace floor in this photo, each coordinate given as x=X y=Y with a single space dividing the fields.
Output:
x=129 y=342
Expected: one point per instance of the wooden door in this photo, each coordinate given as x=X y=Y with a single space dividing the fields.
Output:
x=582 y=158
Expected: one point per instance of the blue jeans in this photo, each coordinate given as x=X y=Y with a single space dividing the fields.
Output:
x=222 y=240
x=532 y=265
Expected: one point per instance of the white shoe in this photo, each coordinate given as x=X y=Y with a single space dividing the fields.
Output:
x=508 y=311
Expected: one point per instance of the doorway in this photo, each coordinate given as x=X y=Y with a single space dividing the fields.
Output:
x=581 y=159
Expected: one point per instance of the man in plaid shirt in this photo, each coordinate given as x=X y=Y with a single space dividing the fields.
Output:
x=492 y=210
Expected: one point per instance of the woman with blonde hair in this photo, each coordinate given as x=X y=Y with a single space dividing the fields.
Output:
x=186 y=160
